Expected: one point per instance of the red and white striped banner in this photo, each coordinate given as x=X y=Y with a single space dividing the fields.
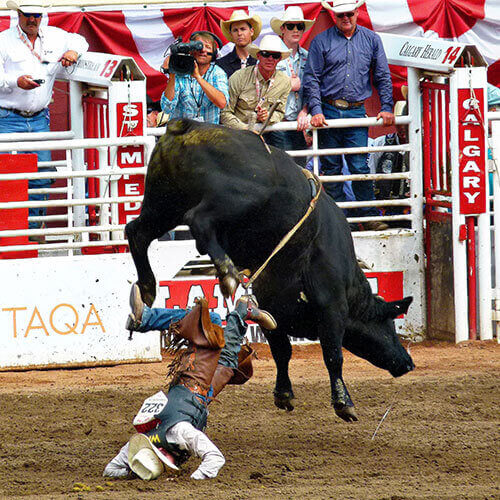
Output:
x=145 y=33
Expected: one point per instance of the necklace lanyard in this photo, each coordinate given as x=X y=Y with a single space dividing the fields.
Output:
x=261 y=99
x=27 y=42
x=198 y=103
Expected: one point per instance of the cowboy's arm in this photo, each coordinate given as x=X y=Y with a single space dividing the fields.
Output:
x=196 y=442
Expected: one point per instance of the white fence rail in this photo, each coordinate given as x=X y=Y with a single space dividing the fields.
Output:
x=109 y=230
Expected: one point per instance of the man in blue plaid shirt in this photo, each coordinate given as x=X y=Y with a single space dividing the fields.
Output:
x=203 y=94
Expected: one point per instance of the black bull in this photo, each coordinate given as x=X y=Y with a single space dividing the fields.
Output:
x=239 y=201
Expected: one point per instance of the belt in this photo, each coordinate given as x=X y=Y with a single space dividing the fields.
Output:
x=25 y=114
x=342 y=103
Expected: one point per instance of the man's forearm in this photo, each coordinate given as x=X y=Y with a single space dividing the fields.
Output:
x=215 y=95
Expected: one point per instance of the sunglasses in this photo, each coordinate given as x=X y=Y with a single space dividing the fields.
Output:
x=265 y=54
x=31 y=14
x=299 y=26
x=344 y=14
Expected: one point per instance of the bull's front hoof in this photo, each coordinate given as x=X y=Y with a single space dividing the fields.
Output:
x=228 y=285
x=148 y=294
x=284 y=401
x=346 y=413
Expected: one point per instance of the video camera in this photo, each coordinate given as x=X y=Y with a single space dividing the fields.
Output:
x=181 y=58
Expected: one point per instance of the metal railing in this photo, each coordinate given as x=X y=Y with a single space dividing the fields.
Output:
x=76 y=233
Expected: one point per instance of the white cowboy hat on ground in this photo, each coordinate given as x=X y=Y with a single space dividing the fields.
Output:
x=240 y=15
x=400 y=108
x=340 y=6
x=269 y=43
x=145 y=459
x=292 y=14
x=29 y=6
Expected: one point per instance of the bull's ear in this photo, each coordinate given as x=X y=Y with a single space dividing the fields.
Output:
x=398 y=307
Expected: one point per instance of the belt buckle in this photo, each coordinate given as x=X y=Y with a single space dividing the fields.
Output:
x=341 y=104
x=26 y=114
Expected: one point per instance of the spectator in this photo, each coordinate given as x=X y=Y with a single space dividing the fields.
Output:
x=291 y=27
x=202 y=94
x=198 y=373
x=30 y=56
x=337 y=80
x=253 y=90
x=389 y=162
x=242 y=30
x=155 y=116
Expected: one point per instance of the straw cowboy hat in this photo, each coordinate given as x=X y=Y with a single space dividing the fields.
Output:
x=147 y=460
x=292 y=14
x=269 y=43
x=240 y=15
x=29 y=6
x=340 y=6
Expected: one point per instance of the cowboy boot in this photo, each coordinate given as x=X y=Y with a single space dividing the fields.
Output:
x=247 y=308
x=137 y=306
x=244 y=371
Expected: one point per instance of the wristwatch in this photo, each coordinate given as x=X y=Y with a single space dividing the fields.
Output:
x=165 y=71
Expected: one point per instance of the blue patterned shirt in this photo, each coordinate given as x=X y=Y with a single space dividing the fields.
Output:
x=340 y=68
x=191 y=102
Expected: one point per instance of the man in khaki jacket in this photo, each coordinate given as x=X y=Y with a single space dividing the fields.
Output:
x=253 y=90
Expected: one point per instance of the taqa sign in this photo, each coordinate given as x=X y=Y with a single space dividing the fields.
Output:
x=471 y=151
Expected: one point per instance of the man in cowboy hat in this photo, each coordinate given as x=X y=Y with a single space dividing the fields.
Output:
x=241 y=29
x=30 y=57
x=253 y=90
x=291 y=28
x=212 y=359
x=201 y=95
x=337 y=80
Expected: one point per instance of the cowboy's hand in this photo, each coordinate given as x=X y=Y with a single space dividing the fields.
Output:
x=303 y=120
x=295 y=81
x=387 y=117
x=318 y=120
x=25 y=82
x=262 y=114
x=69 y=58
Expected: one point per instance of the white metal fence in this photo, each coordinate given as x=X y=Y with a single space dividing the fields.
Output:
x=70 y=232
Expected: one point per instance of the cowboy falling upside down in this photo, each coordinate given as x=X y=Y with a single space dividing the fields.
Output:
x=171 y=427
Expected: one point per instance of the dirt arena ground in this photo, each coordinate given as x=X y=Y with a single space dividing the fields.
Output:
x=441 y=440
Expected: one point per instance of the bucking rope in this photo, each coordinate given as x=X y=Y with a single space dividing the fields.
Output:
x=286 y=238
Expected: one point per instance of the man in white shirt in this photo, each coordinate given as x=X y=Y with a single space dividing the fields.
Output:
x=30 y=57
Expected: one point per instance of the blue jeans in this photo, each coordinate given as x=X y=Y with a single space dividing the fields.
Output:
x=11 y=122
x=161 y=319
x=288 y=140
x=357 y=163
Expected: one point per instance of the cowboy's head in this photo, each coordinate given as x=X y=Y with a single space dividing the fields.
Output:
x=269 y=53
x=30 y=15
x=346 y=14
x=241 y=28
x=291 y=26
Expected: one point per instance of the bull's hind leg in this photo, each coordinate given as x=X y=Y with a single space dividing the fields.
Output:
x=203 y=230
x=140 y=233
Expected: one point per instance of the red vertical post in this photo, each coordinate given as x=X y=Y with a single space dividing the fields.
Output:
x=471 y=276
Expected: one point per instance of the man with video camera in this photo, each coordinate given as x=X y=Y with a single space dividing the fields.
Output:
x=196 y=88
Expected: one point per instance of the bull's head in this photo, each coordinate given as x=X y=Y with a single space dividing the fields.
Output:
x=376 y=340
